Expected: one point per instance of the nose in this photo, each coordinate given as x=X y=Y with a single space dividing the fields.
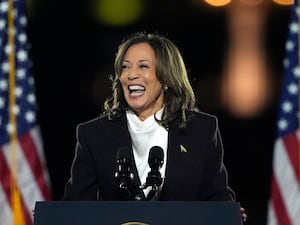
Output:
x=133 y=74
x=132 y=77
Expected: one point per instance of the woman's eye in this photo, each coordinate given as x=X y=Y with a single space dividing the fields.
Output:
x=144 y=66
x=125 y=67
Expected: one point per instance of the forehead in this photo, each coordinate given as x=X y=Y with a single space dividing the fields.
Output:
x=139 y=50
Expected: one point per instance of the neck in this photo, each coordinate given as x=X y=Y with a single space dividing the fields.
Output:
x=145 y=114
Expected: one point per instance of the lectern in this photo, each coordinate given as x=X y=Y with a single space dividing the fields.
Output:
x=136 y=213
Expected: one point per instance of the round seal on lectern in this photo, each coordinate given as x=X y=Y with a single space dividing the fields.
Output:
x=135 y=223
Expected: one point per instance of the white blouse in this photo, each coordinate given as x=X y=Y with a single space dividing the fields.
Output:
x=144 y=135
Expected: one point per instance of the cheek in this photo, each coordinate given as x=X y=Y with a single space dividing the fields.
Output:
x=122 y=81
x=156 y=89
x=158 y=85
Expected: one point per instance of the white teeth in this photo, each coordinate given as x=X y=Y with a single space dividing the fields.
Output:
x=136 y=94
x=136 y=88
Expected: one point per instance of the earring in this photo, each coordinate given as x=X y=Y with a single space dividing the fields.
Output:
x=165 y=87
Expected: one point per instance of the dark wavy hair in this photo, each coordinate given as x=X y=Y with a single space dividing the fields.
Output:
x=170 y=71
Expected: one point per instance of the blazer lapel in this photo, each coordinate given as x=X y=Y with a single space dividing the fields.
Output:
x=176 y=159
x=122 y=135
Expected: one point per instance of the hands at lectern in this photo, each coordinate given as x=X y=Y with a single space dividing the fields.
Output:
x=243 y=214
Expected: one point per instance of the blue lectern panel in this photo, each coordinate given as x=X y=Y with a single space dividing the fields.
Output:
x=136 y=213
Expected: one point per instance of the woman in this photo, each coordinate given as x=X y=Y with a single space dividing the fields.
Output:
x=152 y=104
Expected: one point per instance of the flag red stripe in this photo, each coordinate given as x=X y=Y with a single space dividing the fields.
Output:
x=26 y=213
x=291 y=146
x=278 y=205
x=31 y=154
x=5 y=177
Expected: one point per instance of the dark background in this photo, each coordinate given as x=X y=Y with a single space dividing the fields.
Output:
x=73 y=56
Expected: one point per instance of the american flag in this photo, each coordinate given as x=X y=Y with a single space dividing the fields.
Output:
x=284 y=204
x=23 y=172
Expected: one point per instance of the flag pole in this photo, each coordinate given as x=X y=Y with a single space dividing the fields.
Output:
x=17 y=214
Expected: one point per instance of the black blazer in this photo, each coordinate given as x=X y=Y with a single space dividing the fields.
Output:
x=197 y=174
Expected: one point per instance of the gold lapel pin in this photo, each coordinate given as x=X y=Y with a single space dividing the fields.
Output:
x=182 y=148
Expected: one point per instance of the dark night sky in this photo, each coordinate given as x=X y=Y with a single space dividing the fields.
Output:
x=73 y=57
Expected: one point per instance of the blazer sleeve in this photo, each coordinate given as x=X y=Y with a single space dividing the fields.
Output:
x=215 y=176
x=82 y=184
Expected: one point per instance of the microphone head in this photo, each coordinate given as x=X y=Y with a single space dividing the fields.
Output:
x=156 y=155
x=124 y=152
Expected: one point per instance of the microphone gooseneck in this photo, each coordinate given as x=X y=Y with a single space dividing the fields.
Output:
x=125 y=177
x=154 y=179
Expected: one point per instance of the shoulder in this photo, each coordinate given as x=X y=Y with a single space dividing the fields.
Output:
x=92 y=123
x=201 y=117
x=99 y=123
x=201 y=121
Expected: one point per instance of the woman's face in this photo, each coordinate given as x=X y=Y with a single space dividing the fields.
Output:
x=142 y=90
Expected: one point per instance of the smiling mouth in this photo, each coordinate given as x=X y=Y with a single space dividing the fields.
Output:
x=136 y=90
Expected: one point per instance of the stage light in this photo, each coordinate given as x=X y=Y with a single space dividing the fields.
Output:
x=218 y=3
x=247 y=79
x=246 y=88
x=284 y=2
x=112 y=12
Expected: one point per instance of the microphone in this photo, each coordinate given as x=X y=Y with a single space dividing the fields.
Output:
x=154 y=179
x=124 y=176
